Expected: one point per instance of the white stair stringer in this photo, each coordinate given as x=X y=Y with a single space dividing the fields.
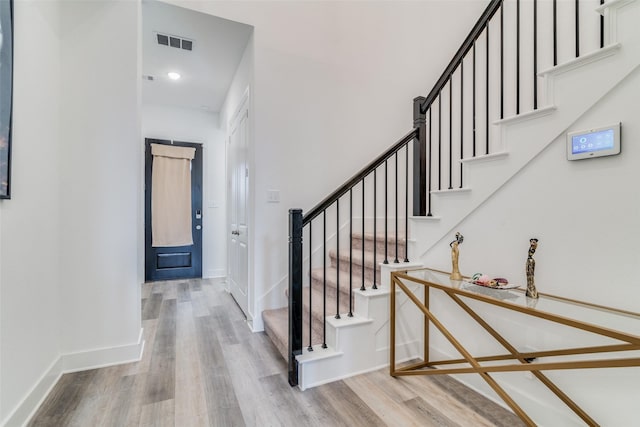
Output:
x=574 y=88
x=360 y=343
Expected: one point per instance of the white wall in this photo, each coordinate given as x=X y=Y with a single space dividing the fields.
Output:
x=100 y=125
x=333 y=86
x=195 y=125
x=243 y=79
x=30 y=221
x=585 y=214
x=70 y=295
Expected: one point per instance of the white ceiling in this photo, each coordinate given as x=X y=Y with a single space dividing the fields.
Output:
x=206 y=71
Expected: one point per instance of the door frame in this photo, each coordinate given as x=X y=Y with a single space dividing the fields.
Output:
x=243 y=104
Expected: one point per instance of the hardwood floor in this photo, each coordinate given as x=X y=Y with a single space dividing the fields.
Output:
x=203 y=367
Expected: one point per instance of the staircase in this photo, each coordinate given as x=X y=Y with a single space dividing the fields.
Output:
x=347 y=274
x=344 y=331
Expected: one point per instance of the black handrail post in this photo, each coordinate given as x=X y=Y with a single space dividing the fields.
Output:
x=295 y=292
x=419 y=158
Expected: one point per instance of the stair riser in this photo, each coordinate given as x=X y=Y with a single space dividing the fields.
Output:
x=317 y=283
x=281 y=338
x=379 y=246
x=318 y=312
x=280 y=342
x=316 y=332
x=356 y=270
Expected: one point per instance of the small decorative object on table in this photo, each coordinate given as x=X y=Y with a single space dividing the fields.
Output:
x=455 y=253
x=532 y=292
x=496 y=283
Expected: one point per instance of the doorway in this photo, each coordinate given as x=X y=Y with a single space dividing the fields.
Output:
x=174 y=262
x=238 y=200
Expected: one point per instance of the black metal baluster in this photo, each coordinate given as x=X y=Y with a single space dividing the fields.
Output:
x=535 y=54
x=363 y=288
x=502 y=61
x=375 y=226
x=487 y=98
x=440 y=141
x=337 y=316
x=310 y=348
x=517 y=56
x=474 y=99
x=386 y=210
x=351 y=251
x=429 y=171
x=601 y=28
x=406 y=207
x=555 y=32
x=577 y=28
x=324 y=279
x=450 y=133
x=461 y=117
x=395 y=261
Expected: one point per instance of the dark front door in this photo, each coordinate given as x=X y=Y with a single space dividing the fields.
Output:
x=178 y=262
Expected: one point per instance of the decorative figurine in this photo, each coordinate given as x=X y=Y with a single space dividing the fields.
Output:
x=455 y=253
x=531 y=266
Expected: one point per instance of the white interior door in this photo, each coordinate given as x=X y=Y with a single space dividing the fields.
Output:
x=238 y=216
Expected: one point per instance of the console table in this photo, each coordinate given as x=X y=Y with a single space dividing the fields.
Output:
x=622 y=326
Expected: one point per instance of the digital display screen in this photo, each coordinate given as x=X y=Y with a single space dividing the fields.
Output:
x=593 y=141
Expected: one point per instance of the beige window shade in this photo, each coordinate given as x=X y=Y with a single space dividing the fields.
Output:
x=171 y=195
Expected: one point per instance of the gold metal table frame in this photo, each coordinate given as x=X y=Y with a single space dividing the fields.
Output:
x=457 y=290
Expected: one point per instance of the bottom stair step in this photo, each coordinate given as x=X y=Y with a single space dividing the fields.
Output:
x=276 y=326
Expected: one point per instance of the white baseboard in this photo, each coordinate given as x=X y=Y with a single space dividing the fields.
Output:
x=34 y=398
x=103 y=357
x=66 y=363
x=214 y=273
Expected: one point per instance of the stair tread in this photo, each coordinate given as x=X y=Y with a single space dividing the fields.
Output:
x=356 y=257
x=316 y=273
x=369 y=235
x=317 y=300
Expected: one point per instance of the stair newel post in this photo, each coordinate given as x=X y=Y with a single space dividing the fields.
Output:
x=295 y=292
x=419 y=158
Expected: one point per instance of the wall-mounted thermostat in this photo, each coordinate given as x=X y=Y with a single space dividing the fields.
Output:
x=587 y=144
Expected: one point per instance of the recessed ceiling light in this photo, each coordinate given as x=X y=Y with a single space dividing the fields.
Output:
x=173 y=75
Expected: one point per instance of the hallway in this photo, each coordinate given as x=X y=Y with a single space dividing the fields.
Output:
x=203 y=367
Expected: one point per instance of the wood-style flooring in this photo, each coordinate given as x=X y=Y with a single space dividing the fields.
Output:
x=203 y=367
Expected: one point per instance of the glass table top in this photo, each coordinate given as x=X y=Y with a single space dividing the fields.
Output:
x=604 y=317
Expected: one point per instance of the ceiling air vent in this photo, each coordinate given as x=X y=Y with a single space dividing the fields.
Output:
x=174 y=41
x=162 y=39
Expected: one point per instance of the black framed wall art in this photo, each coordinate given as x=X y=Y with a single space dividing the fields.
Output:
x=6 y=94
